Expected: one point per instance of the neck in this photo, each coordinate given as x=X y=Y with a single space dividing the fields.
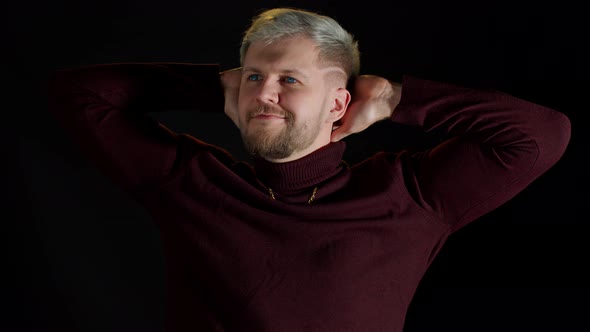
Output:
x=301 y=174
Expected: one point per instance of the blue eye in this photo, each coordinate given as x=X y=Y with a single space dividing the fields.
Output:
x=254 y=77
x=290 y=80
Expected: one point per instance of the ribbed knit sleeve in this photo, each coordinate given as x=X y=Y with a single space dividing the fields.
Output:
x=104 y=108
x=495 y=145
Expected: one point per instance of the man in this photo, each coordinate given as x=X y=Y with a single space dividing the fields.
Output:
x=299 y=241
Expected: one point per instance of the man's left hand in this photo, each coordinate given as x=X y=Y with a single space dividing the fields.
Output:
x=374 y=98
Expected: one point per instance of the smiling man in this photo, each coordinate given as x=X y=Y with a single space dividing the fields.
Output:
x=296 y=240
x=288 y=101
x=292 y=85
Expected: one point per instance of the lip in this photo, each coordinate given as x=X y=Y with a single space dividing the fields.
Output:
x=268 y=117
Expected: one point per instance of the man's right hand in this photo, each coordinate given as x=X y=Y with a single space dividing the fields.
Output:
x=230 y=79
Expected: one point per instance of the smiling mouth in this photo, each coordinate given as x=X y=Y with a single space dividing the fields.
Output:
x=269 y=116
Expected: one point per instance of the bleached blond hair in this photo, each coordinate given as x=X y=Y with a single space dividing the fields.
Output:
x=336 y=46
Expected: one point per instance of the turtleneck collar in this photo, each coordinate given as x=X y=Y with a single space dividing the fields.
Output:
x=304 y=172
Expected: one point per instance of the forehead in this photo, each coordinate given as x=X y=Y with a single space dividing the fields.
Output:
x=296 y=52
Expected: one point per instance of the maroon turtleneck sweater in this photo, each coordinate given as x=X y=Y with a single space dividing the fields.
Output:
x=237 y=260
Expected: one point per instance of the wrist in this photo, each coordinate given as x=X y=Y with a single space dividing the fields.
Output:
x=394 y=96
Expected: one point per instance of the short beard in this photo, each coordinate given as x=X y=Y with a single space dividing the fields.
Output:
x=271 y=146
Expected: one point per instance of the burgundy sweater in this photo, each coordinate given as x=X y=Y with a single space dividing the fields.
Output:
x=237 y=260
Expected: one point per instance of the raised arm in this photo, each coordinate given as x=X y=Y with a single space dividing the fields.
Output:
x=104 y=108
x=495 y=144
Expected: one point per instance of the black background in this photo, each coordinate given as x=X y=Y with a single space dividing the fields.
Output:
x=82 y=256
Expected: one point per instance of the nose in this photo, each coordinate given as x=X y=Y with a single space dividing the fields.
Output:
x=268 y=92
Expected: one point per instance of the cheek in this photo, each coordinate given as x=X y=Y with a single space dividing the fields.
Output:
x=300 y=101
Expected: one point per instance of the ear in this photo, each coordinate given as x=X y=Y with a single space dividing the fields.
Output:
x=340 y=104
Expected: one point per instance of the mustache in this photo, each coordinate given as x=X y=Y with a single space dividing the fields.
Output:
x=268 y=110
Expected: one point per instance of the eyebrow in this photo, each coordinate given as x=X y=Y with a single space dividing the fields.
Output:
x=284 y=71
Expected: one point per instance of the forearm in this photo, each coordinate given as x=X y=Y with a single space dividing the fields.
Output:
x=145 y=87
x=493 y=118
x=103 y=107
x=494 y=146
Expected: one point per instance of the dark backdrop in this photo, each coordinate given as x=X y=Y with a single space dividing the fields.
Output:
x=82 y=256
